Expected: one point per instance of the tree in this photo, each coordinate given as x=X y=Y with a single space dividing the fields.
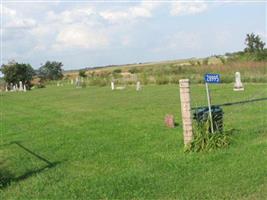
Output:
x=15 y=72
x=82 y=73
x=51 y=71
x=254 y=43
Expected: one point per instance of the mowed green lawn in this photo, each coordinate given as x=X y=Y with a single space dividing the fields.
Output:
x=114 y=145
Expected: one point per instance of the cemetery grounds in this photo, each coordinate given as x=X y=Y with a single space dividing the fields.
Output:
x=94 y=143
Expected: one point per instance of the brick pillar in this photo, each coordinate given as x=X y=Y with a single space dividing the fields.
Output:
x=186 y=110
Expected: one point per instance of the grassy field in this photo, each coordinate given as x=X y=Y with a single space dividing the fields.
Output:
x=103 y=144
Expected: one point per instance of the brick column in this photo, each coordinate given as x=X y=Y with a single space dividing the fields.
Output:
x=186 y=110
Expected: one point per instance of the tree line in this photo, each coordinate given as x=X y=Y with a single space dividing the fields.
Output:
x=15 y=72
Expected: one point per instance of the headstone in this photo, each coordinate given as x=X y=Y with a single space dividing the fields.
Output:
x=20 y=86
x=11 y=87
x=238 y=84
x=186 y=110
x=71 y=81
x=6 y=89
x=138 y=86
x=14 y=88
x=58 y=84
x=24 y=88
x=120 y=88
x=78 y=82
x=169 y=121
x=112 y=85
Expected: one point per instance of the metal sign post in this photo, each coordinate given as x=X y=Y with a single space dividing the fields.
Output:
x=208 y=97
x=211 y=78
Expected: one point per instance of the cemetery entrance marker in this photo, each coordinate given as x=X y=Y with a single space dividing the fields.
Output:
x=186 y=110
x=211 y=78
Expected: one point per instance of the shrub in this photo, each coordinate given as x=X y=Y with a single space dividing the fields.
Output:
x=82 y=73
x=116 y=71
x=133 y=70
x=175 y=79
x=144 y=79
x=222 y=59
x=162 y=80
x=206 y=141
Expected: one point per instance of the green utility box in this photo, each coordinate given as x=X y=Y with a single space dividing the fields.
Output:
x=201 y=115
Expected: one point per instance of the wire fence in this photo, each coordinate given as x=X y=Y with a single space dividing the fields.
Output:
x=242 y=110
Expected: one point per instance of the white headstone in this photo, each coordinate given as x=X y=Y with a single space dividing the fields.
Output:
x=14 y=88
x=138 y=86
x=71 y=81
x=238 y=84
x=24 y=88
x=11 y=87
x=20 y=86
x=112 y=85
x=120 y=88
x=58 y=84
x=6 y=89
x=78 y=82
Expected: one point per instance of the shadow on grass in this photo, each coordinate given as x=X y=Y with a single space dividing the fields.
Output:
x=6 y=177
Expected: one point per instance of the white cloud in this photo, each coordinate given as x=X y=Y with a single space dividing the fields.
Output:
x=78 y=36
x=71 y=16
x=180 y=41
x=188 y=8
x=143 y=10
x=11 y=19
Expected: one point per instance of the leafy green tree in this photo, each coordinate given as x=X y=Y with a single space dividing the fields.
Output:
x=254 y=43
x=51 y=71
x=82 y=73
x=15 y=72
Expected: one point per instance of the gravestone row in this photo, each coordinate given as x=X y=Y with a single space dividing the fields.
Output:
x=15 y=87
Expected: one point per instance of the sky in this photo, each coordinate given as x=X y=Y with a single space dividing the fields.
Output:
x=89 y=33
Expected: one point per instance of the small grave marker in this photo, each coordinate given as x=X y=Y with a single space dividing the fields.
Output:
x=112 y=85
x=169 y=121
x=20 y=86
x=138 y=86
x=238 y=84
x=24 y=88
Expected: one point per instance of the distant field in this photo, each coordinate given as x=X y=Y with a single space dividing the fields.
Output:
x=166 y=72
x=107 y=144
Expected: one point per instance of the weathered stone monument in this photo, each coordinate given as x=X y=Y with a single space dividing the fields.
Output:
x=78 y=82
x=6 y=88
x=186 y=110
x=169 y=121
x=138 y=86
x=112 y=85
x=238 y=84
x=71 y=81
x=20 y=86
x=24 y=88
